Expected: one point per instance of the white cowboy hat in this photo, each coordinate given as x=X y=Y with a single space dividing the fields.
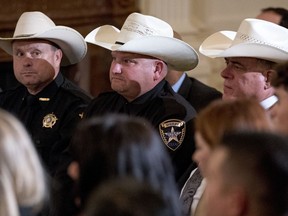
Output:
x=146 y=35
x=255 y=38
x=36 y=25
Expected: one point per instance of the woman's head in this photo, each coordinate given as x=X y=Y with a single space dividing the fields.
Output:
x=223 y=116
x=119 y=146
x=22 y=181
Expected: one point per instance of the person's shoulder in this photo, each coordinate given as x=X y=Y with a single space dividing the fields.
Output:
x=175 y=102
x=104 y=103
x=105 y=99
x=200 y=86
x=15 y=91
x=75 y=91
x=169 y=95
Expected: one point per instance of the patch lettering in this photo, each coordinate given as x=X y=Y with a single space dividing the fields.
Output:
x=172 y=132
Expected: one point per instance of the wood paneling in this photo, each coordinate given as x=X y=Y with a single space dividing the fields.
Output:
x=82 y=15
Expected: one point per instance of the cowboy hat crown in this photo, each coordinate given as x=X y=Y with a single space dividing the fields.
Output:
x=36 y=25
x=254 y=38
x=147 y=35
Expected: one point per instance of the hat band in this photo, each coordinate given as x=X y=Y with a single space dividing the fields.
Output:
x=23 y=35
x=120 y=43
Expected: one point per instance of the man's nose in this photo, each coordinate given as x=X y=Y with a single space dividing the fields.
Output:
x=226 y=73
x=115 y=67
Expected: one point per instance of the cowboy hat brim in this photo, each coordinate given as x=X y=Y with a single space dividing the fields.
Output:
x=220 y=44
x=70 y=41
x=176 y=53
x=104 y=36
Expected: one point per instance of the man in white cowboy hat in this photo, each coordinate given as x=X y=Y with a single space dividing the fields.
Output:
x=250 y=55
x=142 y=51
x=48 y=104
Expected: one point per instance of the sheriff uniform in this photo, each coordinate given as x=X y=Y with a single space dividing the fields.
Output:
x=171 y=115
x=50 y=117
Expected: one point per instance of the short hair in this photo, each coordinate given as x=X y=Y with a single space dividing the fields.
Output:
x=258 y=161
x=266 y=63
x=126 y=197
x=280 y=77
x=280 y=11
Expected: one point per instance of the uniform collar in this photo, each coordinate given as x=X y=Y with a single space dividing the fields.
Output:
x=49 y=91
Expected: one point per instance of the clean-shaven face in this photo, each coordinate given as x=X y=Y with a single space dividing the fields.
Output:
x=36 y=63
x=132 y=75
x=243 y=78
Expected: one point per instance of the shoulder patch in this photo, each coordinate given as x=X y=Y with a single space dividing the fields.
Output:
x=172 y=132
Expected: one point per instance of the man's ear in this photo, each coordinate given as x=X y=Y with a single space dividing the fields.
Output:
x=160 y=70
x=73 y=170
x=268 y=77
x=59 y=55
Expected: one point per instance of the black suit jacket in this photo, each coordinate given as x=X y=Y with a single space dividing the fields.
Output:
x=197 y=93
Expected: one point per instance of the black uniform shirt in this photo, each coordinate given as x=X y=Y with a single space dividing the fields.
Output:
x=168 y=112
x=50 y=116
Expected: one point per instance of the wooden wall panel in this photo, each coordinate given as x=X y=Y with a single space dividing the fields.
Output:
x=82 y=15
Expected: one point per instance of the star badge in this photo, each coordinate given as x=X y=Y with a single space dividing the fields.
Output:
x=172 y=132
x=49 y=120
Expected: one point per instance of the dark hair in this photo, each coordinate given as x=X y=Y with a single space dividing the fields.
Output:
x=120 y=145
x=280 y=11
x=258 y=160
x=126 y=197
x=280 y=77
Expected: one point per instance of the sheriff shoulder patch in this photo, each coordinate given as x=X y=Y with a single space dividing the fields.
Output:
x=172 y=132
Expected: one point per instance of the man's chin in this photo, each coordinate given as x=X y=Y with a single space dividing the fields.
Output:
x=228 y=97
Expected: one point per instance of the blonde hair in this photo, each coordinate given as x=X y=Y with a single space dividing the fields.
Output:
x=22 y=178
x=223 y=116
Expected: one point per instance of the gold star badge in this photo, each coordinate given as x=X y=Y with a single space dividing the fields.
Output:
x=49 y=120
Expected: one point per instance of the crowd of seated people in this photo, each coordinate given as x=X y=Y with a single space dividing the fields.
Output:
x=160 y=143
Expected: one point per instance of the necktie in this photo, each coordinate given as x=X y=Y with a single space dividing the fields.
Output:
x=189 y=191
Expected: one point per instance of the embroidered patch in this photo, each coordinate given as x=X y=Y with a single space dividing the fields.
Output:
x=49 y=120
x=172 y=132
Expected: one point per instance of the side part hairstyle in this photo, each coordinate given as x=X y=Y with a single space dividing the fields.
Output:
x=22 y=177
x=258 y=162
